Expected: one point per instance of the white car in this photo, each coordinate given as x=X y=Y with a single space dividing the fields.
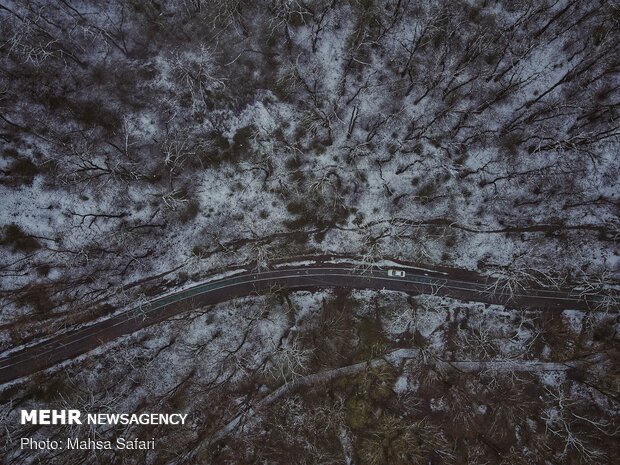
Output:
x=396 y=273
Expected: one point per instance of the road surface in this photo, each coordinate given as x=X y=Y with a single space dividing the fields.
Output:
x=458 y=284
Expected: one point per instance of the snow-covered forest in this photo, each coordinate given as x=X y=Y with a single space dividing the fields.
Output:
x=340 y=377
x=147 y=144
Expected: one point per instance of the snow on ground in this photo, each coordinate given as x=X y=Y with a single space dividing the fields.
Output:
x=574 y=319
x=306 y=303
x=401 y=384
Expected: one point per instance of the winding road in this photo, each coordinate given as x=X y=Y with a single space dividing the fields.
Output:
x=454 y=283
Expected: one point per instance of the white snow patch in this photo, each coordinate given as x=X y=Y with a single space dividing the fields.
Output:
x=552 y=378
x=299 y=263
x=574 y=319
x=401 y=384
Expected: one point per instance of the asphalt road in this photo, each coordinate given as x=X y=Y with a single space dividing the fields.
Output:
x=458 y=284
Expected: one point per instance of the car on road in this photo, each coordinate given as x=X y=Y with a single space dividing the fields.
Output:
x=396 y=273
